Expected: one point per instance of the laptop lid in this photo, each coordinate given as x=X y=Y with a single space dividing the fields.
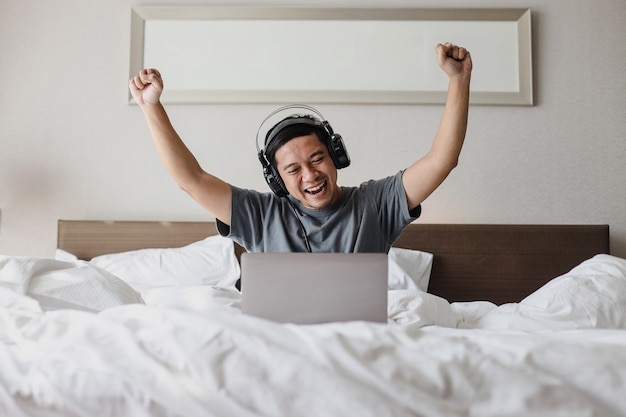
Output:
x=308 y=288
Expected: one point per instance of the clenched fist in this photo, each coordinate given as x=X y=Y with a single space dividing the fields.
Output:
x=146 y=87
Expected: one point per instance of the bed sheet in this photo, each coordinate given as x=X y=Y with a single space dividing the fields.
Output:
x=192 y=353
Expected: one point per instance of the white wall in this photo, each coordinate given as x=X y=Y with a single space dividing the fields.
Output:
x=72 y=148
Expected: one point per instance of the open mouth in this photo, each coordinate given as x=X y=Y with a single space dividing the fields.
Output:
x=316 y=190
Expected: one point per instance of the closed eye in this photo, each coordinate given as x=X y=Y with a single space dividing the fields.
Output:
x=317 y=157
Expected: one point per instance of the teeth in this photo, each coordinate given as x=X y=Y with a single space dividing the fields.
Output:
x=316 y=189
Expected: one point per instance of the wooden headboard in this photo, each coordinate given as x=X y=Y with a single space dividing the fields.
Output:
x=497 y=263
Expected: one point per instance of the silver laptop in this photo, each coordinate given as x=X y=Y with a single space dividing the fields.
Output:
x=309 y=288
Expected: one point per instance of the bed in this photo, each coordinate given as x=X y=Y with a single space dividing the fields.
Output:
x=484 y=320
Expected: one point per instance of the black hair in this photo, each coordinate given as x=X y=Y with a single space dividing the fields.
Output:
x=274 y=140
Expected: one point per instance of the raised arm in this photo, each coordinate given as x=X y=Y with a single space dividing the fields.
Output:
x=209 y=191
x=427 y=173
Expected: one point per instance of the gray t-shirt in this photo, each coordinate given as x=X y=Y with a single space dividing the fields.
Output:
x=367 y=218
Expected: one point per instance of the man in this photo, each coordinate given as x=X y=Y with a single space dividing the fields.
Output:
x=316 y=215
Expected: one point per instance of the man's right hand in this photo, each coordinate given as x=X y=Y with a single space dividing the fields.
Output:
x=146 y=87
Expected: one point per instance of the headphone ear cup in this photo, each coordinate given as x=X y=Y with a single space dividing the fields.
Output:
x=338 y=152
x=275 y=182
x=272 y=177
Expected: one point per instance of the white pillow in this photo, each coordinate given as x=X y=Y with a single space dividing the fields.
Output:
x=409 y=269
x=61 y=285
x=211 y=261
x=62 y=255
x=592 y=295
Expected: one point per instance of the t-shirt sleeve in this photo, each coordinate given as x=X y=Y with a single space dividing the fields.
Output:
x=246 y=217
x=392 y=204
x=252 y=214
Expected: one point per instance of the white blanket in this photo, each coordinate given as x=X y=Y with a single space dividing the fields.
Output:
x=189 y=352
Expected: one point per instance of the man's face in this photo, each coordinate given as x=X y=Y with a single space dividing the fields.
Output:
x=308 y=171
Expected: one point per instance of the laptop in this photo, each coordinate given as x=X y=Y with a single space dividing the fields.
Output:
x=311 y=288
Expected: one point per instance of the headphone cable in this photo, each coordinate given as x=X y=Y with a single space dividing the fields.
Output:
x=302 y=229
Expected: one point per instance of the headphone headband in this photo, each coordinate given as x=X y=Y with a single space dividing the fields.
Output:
x=287 y=107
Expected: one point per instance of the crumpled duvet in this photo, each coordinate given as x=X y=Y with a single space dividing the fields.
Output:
x=186 y=355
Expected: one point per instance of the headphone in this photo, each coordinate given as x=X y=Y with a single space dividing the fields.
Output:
x=334 y=143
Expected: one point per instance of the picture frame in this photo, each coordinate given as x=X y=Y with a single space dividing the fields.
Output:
x=237 y=54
